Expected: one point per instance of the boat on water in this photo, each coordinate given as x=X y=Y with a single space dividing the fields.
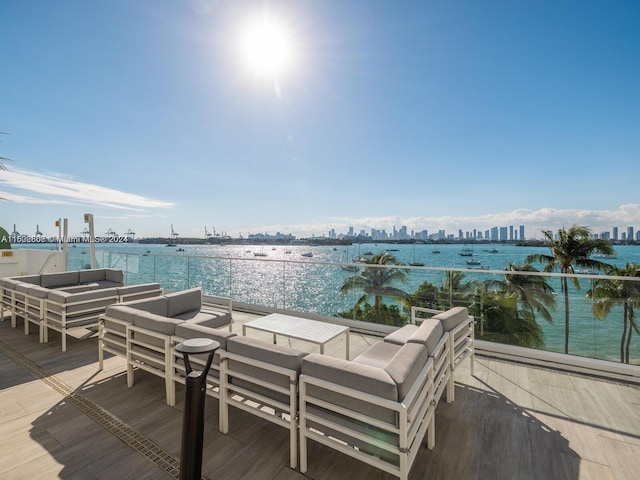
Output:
x=474 y=262
x=307 y=254
x=435 y=249
x=466 y=252
x=414 y=263
x=170 y=245
x=261 y=253
x=350 y=268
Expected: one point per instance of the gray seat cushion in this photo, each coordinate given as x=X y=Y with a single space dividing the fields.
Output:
x=122 y=312
x=358 y=376
x=452 y=317
x=428 y=334
x=406 y=365
x=184 y=301
x=155 y=305
x=156 y=323
x=277 y=355
x=378 y=355
x=143 y=287
x=401 y=335
x=114 y=275
x=402 y=362
x=190 y=330
x=52 y=280
x=207 y=319
x=37 y=291
x=91 y=276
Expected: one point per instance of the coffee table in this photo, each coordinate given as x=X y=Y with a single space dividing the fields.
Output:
x=313 y=331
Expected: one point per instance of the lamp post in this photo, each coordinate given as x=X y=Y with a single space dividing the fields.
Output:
x=193 y=420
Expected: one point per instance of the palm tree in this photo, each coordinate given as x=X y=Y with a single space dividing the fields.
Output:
x=454 y=290
x=613 y=292
x=427 y=295
x=498 y=322
x=534 y=293
x=377 y=281
x=573 y=247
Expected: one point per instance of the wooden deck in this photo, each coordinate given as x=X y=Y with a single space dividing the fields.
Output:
x=62 y=418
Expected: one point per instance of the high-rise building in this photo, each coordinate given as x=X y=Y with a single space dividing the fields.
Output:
x=615 y=233
x=503 y=234
x=511 y=232
x=521 y=236
x=629 y=233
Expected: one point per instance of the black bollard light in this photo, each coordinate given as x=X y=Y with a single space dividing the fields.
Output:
x=193 y=420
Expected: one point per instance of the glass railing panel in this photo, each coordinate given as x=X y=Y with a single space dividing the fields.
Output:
x=172 y=272
x=213 y=275
x=258 y=282
x=315 y=288
x=496 y=298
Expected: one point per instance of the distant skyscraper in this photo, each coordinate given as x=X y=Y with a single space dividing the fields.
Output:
x=629 y=233
x=521 y=236
x=615 y=233
x=503 y=234
x=511 y=232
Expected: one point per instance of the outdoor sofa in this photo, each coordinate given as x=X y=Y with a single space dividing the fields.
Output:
x=379 y=406
x=145 y=332
x=255 y=376
x=67 y=300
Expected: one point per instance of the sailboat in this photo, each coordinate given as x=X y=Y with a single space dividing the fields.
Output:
x=435 y=249
x=348 y=268
x=466 y=252
x=414 y=263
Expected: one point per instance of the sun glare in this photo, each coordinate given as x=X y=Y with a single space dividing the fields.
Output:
x=267 y=49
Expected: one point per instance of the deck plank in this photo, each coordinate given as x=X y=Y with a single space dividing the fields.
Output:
x=508 y=421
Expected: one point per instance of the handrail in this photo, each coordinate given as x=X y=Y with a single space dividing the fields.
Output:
x=309 y=287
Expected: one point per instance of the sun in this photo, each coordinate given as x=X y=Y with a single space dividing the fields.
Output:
x=267 y=48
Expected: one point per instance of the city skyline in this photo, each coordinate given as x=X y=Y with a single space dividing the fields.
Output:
x=493 y=234
x=437 y=115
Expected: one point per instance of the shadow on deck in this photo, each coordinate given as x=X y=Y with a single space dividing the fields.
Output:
x=71 y=421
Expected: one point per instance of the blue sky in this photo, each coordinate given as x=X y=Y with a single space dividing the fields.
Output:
x=433 y=114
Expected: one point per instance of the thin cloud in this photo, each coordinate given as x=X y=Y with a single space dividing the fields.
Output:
x=59 y=189
x=535 y=221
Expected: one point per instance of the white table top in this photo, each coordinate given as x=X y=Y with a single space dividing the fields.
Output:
x=296 y=327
